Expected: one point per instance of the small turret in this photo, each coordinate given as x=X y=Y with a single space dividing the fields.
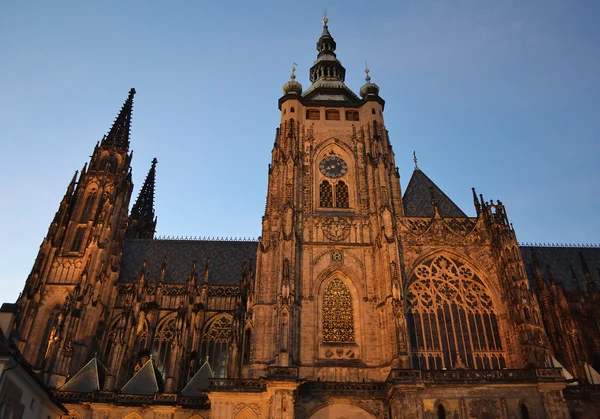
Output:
x=292 y=86
x=369 y=88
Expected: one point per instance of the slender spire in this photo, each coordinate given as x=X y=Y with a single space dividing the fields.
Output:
x=415 y=160
x=142 y=213
x=118 y=135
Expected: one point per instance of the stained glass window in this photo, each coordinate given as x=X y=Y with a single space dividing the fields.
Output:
x=451 y=318
x=326 y=195
x=338 y=316
x=215 y=346
x=341 y=195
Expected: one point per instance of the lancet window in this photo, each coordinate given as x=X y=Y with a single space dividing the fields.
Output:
x=329 y=199
x=325 y=195
x=451 y=318
x=163 y=343
x=215 y=345
x=341 y=195
x=338 y=314
x=88 y=206
x=78 y=240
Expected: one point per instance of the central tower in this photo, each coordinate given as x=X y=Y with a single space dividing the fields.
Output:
x=326 y=298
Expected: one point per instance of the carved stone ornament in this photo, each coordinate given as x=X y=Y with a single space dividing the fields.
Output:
x=336 y=228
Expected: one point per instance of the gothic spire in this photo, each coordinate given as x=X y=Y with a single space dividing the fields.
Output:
x=142 y=213
x=118 y=135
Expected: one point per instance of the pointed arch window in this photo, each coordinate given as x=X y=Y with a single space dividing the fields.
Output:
x=88 y=206
x=78 y=239
x=49 y=336
x=215 y=345
x=163 y=343
x=451 y=318
x=341 y=195
x=338 y=314
x=325 y=194
x=247 y=348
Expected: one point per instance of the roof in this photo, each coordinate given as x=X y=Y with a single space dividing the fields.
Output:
x=199 y=382
x=89 y=378
x=562 y=264
x=147 y=380
x=225 y=259
x=417 y=198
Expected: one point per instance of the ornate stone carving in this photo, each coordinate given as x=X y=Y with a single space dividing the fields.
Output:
x=484 y=408
x=336 y=228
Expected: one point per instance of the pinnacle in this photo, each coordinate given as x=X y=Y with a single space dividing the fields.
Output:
x=118 y=135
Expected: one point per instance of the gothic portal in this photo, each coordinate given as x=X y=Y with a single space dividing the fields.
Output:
x=357 y=301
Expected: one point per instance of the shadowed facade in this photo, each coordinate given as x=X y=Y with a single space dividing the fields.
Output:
x=356 y=301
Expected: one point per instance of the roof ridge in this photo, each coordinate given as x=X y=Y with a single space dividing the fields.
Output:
x=417 y=199
x=571 y=245
x=206 y=238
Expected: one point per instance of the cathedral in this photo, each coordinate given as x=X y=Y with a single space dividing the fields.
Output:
x=359 y=300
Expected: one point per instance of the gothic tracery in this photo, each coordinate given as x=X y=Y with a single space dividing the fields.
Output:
x=451 y=318
x=338 y=314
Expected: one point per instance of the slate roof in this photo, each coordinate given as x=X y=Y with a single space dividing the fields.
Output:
x=417 y=198
x=225 y=266
x=199 y=382
x=89 y=378
x=562 y=264
x=147 y=380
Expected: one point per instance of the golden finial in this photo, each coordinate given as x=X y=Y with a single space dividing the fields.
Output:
x=367 y=77
x=325 y=20
x=293 y=76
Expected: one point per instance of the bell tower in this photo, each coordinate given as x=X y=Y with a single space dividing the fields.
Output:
x=326 y=295
x=64 y=303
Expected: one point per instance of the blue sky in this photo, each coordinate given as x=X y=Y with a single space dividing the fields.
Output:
x=503 y=96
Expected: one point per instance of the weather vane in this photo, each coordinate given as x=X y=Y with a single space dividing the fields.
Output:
x=415 y=159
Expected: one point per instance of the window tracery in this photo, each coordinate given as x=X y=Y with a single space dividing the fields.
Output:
x=451 y=318
x=341 y=195
x=163 y=342
x=325 y=195
x=338 y=313
x=215 y=346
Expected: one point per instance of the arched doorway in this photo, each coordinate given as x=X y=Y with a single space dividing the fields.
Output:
x=341 y=411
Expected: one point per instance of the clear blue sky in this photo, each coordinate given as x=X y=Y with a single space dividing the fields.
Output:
x=500 y=95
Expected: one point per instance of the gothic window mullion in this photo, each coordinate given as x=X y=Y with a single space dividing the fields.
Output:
x=462 y=317
x=441 y=348
x=469 y=315
x=485 y=334
x=451 y=308
x=464 y=323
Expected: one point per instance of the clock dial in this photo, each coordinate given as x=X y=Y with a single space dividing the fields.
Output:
x=333 y=167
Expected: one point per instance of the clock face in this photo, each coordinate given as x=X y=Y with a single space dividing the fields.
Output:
x=333 y=166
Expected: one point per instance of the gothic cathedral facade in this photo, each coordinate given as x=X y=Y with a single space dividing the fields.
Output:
x=357 y=301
